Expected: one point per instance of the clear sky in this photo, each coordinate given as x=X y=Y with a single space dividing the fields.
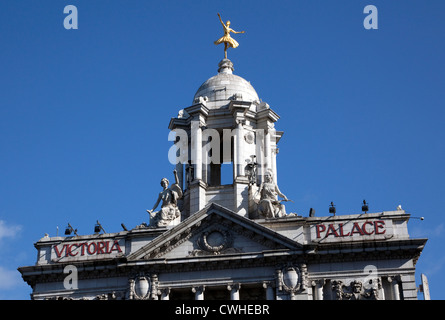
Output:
x=84 y=113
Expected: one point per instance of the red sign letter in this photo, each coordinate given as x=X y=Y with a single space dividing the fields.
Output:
x=116 y=246
x=364 y=228
x=356 y=229
x=331 y=230
x=59 y=253
x=379 y=225
x=320 y=228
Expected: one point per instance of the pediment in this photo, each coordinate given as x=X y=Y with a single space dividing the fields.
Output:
x=215 y=230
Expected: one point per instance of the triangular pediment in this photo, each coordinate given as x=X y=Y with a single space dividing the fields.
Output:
x=214 y=230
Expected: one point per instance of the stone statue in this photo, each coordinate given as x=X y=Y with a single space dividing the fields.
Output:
x=226 y=38
x=250 y=170
x=169 y=207
x=269 y=206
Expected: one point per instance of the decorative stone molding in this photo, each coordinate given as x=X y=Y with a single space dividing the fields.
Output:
x=110 y=296
x=249 y=137
x=173 y=243
x=215 y=240
x=292 y=278
x=237 y=96
x=182 y=114
x=142 y=287
x=113 y=295
x=201 y=100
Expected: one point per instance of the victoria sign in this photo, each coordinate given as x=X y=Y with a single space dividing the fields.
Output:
x=87 y=248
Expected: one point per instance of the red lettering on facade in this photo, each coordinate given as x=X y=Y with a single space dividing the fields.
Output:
x=87 y=248
x=331 y=230
x=94 y=248
x=69 y=249
x=100 y=247
x=82 y=246
x=116 y=246
x=379 y=225
x=320 y=228
x=59 y=253
x=356 y=229
x=341 y=231
x=366 y=229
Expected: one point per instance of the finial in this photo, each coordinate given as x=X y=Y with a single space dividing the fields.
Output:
x=226 y=38
x=225 y=66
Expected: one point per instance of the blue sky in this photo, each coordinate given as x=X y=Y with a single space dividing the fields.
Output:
x=84 y=113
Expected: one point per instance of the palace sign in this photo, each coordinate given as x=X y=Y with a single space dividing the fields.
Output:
x=350 y=230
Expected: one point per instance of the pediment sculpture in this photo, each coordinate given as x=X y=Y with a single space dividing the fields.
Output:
x=268 y=204
x=169 y=197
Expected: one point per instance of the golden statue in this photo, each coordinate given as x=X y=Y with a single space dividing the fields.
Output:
x=226 y=38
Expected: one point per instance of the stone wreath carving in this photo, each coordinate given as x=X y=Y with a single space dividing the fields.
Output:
x=215 y=240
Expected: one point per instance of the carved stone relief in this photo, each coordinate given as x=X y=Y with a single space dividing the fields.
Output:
x=214 y=241
x=113 y=295
x=292 y=278
x=142 y=287
x=356 y=290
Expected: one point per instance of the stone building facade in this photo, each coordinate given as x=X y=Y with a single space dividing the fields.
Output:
x=211 y=240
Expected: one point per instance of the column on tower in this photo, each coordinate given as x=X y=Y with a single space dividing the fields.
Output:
x=198 y=117
x=240 y=182
x=268 y=138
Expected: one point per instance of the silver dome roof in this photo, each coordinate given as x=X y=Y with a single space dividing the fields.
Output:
x=226 y=86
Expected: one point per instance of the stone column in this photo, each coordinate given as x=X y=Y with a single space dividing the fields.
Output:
x=395 y=287
x=260 y=154
x=234 y=291
x=268 y=149
x=270 y=292
x=197 y=149
x=239 y=165
x=318 y=292
x=199 y=292
x=274 y=164
x=197 y=187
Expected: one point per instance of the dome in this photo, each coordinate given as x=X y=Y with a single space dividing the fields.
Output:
x=226 y=86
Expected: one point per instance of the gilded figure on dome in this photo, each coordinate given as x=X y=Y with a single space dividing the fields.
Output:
x=226 y=38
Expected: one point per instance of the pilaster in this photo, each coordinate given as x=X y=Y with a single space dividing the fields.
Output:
x=197 y=196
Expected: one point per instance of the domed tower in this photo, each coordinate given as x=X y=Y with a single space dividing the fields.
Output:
x=224 y=144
